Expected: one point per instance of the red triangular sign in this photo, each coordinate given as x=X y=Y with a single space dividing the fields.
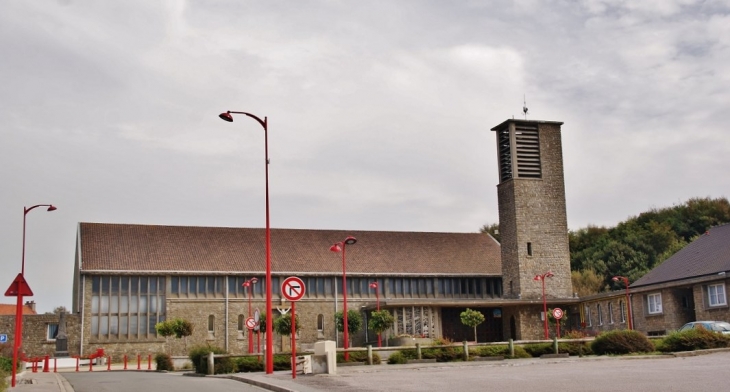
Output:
x=19 y=287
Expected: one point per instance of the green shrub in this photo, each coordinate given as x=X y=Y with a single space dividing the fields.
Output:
x=397 y=358
x=3 y=380
x=693 y=339
x=575 y=348
x=359 y=356
x=164 y=362
x=538 y=349
x=282 y=362
x=520 y=352
x=489 y=351
x=621 y=342
x=254 y=364
x=6 y=364
x=199 y=357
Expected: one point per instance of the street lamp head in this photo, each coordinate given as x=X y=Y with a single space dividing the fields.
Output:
x=226 y=116
x=549 y=274
x=615 y=279
x=336 y=247
x=350 y=240
x=374 y=285
x=254 y=280
x=537 y=277
x=51 y=208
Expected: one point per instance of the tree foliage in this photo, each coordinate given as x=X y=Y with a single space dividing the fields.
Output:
x=640 y=243
x=472 y=318
x=380 y=321
x=282 y=325
x=354 y=321
x=492 y=230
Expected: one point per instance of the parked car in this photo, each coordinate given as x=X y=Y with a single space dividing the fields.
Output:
x=717 y=326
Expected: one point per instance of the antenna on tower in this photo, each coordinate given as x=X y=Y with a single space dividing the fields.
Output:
x=524 y=106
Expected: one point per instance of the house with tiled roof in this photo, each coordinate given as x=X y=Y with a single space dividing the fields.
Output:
x=688 y=286
x=11 y=309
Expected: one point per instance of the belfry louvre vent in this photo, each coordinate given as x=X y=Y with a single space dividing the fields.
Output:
x=527 y=150
x=505 y=154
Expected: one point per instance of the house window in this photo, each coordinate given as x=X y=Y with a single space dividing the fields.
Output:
x=241 y=325
x=716 y=294
x=51 y=331
x=622 y=306
x=600 y=314
x=587 y=311
x=610 y=312
x=654 y=302
x=529 y=248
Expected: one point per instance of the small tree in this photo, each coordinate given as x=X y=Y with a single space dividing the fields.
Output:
x=380 y=321
x=178 y=327
x=354 y=321
x=282 y=325
x=472 y=318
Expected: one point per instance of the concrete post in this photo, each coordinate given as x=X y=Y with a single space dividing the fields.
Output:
x=211 y=364
x=418 y=351
x=555 y=345
x=370 y=354
x=328 y=348
x=466 y=350
x=511 y=348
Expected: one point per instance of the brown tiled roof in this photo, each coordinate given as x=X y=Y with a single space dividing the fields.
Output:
x=9 y=310
x=127 y=247
x=707 y=255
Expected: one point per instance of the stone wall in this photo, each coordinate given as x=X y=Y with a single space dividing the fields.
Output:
x=34 y=341
x=675 y=311
x=532 y=210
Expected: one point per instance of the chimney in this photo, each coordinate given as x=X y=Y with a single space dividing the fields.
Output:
x=31 y=305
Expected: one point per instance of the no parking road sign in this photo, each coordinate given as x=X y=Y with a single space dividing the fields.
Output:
x=292 y=288
x=558 y=313
x=250 y=323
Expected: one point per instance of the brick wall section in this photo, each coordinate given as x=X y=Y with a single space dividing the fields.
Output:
x=674 y=313
x=702 y=310
x=34 y=333
x=533 y=210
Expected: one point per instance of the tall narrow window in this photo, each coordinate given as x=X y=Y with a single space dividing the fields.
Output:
x=241 y=325
x=600 y=314
x=610 y=312
x=211 y=326
x=529 y=248
x=622 y=306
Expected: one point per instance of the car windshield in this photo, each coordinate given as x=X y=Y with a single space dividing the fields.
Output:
x=721 y=326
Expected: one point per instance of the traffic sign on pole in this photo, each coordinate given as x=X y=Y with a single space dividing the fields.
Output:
x=3 y=338
x=292 y=288
x=557 y=313
x=250 y=323
x=19 y=287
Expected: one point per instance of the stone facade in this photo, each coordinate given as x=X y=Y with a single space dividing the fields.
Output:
x=533 y=222
x=35 y=342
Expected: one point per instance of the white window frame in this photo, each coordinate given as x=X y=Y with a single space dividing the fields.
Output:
x=51 y=331
x=716 y=295
x=622 y=307
x=654 y=303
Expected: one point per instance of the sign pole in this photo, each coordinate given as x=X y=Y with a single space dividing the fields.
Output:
x=293 y=340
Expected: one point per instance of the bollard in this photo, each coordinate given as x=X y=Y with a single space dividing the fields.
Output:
x=555 y=345
x=149 y=361
x=54 y=364
x=77 y=364
x=466 y=350
x=125 y=361
x=91 y=364
x=370 y=354
x=139 y=362
x=108 y=363
x=45 y=365
x=34 y=366
x=211 y=364
x=418 y=351
x=511 y=348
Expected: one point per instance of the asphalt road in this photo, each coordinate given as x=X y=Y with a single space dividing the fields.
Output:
x=627 y=374
x=152 y=381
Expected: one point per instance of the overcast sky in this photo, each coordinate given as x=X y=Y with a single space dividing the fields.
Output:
x=379 y=113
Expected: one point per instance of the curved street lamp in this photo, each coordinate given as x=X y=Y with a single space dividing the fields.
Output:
x=628 y=298
x=544 y=299
x=375 y=285
x=340 y=247
x=227 y=116
x=19 y=305
x=249 y=284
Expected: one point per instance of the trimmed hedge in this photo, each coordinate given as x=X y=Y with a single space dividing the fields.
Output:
x=199 y=357
x=693 y=339
x=164 y=362
x=621 y=342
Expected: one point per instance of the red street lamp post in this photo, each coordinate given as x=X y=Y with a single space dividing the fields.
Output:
x=337 y=247
x=628 y=298
x=249 y=284
x=544 y=299
x=376 y=286
x=19 y=305
x=269 y=340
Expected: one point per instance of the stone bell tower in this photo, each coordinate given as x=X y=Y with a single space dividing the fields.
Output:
x=532 y=217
